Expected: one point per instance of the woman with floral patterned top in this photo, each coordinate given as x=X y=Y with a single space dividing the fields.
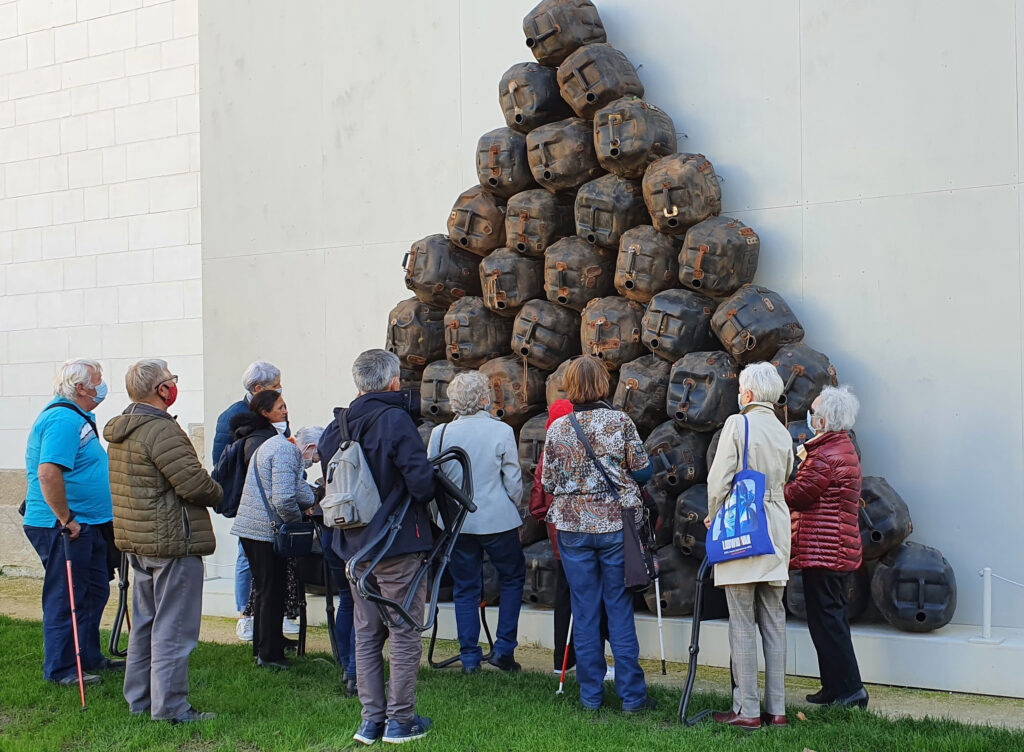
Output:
x=588 y=518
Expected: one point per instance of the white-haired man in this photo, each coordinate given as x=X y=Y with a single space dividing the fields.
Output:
x=258 y=376
x=69 y=492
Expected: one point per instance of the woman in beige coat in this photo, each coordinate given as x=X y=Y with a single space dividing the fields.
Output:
x=754 y=586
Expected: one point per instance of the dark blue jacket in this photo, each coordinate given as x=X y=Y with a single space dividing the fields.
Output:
x=222 y=436
x=398 y=463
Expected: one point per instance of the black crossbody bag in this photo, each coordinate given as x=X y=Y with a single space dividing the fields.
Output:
x=637 y=540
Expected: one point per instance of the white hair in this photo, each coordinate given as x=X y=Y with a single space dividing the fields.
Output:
x=374 y=370
x=763 y=380
x=467 y=391
x=71 y=374
x=308 y=435
x=260 y=373
x=838 y=406
x=143 y=378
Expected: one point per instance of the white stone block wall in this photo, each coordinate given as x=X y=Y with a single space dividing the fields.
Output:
x=99 y=199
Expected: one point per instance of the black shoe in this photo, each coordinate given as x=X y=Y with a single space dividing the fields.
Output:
x=649 y=704
x=821 y=697
x=351 y=690
x=72 y=679
x=281 y=665
x=858 y=699
x=109 y=664
x=505 y=663
x=191 y=716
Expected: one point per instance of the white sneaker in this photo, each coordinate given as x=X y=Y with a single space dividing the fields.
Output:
x=244 y=629
x=609 y=675
x=289 y=627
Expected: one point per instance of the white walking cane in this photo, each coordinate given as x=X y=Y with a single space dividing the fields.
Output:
x=661 y=632
x=565 y=658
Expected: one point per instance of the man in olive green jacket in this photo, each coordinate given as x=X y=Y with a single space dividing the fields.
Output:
x=161 y=493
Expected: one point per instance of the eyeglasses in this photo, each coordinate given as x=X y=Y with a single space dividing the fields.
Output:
x=174 y=378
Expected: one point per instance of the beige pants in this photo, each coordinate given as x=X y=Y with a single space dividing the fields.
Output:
x=753 y=606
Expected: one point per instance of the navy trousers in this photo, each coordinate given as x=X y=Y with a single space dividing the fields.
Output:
x=92 y=589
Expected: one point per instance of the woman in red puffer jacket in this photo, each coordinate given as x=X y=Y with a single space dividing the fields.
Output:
x=824 y=498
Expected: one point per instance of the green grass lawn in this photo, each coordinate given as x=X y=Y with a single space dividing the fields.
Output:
x=304 y=709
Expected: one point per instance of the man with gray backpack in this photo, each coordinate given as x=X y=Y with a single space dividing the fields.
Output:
x=377 y=433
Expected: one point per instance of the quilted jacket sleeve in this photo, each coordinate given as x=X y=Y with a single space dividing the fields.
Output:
x=290 y=493
x=176 y=460
x=811 y=481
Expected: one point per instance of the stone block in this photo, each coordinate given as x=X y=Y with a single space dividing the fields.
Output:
x=121 y=340
x=53 y=174
x=158 y=230
x=174 y=192
x=155 y=24
x=79 y=272
x=28 y=379
x=133 y=268
x=100 y=129
x=68 y=206
x=129 y=198
x=102 y=236
x=178 y=263
x=142 y=60
x=41 y=107
x=153 y=302
x=13 y=55
x=167 y=156
x=34 y=211
x=34 y=81
x=34 y=276
x=173 y=338
x=111 y=33
x=36 y=346
x=74 y=134
x=58 y=241
x=34 y=15
x=17 y=312
x=44 y=139
x=180 y=52
x=40 y=49
x=70 y=42
x=174 y=82
x=97 y=205
x=85 y=168
x=56 y=309
x=143 y=122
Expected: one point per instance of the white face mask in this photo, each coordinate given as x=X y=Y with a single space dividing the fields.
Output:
x=815 y=423
x=281 y=426
x=739 y=401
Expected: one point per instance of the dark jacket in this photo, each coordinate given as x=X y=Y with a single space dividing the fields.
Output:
x=222 y=436
x=255 y=429
x=398 y=463
x=824 y=497
x=161 y=491
x=540 y=502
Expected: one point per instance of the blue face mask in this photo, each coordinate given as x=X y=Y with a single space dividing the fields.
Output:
x=101 y=392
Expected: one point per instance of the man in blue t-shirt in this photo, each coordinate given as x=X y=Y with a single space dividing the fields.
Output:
x=69 y=490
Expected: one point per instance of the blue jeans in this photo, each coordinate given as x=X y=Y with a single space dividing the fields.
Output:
x=466 y=567
x=594 y=567
x=243 y=580
x=344 y=634
x=92 y=589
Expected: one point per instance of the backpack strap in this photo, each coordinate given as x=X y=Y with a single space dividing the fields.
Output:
x=590 y=453
x=74 y=408
x=342 y=421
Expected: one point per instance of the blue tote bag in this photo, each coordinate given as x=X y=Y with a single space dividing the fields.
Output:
x=740 y=528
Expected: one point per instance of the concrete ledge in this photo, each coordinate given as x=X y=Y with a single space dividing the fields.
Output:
x=944 y=660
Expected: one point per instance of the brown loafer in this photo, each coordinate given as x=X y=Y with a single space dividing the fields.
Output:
x=731 y=718
x=773 y=720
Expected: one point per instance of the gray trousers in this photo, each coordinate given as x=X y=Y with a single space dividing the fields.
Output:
x=167 y=601
x=753 y=606
x=392 y=578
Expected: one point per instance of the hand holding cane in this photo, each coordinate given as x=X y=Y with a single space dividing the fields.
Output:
x=66 y=539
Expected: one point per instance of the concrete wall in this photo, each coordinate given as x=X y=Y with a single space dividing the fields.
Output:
x=99 y=199
x=873 y=145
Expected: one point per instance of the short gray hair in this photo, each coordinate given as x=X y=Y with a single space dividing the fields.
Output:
x=144 y=377
x=374 y=370
x=308 y=435
x=71 y=374
x=763 y=380
x=839 y=407
x=260 y=373
x=466 y=392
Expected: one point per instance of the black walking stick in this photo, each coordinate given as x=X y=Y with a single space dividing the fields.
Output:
x=456 y=658
x=66 y=540
x=121 y=618
x=703 y=575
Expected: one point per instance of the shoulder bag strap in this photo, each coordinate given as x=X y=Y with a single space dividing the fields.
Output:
x=590 y=453
x=69 y=406
x=275 y=518
x=746 y=440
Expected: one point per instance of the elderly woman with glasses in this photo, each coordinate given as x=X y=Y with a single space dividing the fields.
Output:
x=754 y=585
x=825 y=498
x=494 y=526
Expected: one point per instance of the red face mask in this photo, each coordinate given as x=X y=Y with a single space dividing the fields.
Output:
x=172 y=394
